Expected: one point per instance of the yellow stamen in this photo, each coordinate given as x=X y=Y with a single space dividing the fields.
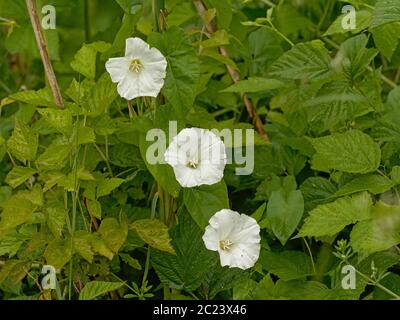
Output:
x=136 y=65
x=225 y=244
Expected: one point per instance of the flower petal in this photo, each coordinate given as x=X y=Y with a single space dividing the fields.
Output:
x=117 y=68
x=136 y=48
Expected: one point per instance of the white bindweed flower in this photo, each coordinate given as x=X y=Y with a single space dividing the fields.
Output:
x=235 y=236
x=140 y=73
x=197 y=156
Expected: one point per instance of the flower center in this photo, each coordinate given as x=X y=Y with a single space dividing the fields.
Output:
x=136 y=66
x=225 y=244
x=193 y=164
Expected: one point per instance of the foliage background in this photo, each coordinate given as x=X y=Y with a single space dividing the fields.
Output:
x=77 y=193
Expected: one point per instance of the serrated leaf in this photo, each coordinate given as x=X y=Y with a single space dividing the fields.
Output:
x=303 y=61
x=134 y=263
x=188 y=267
x=373 y=183
x=113 y=233
x=183 y=68
x=54 y=156
x=154 y=233
x=58 y=253
x=386 y=11
x=289 y=265
x=18 y=175
x=23 y=143
x=363 y=18
x=41 y=97
x=352 y=151
x=386 y=38
x=329 y=219
x=204 y=201
x=100 y=96
x=106 y=186
x=56 y=219
x=85 y=59
x=254 y=84
x=95 y=289
x=380 y=232
x=16 y=211
x=61 y=120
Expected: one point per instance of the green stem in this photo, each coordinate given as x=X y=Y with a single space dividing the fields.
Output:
x=376 y=284
x=157 y=6
x=87 y=24
x=323 y=260
x=310 y=253
x=103 y=156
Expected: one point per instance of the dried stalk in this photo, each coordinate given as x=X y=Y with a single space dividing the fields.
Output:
x=201 y=9
x=44 y=54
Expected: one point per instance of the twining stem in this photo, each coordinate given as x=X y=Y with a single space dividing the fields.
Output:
x=375 y=283
x=201 y=9
x=44 y=54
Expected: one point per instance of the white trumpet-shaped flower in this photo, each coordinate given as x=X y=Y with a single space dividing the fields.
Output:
x=235 y=236
x=197 y=157
x=140 y=73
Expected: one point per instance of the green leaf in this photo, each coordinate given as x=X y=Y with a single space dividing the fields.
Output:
x=218 y=38
x=254 y=84
x=113 y=233
x=56 y=219
x=58 y=253
x=95 y=289
x=378 y=233
x=204 y=201
x=16 y=210
x=316 y=190
x=386 y=38
x=285 y=209
x=259 y=213
x=154 y=233
x=224 y=12
x=335 y=103
x=82 y=245
x=386 y=11
x=18 y=175
x=373 y=183
x=183 y=68
x=353 y=57
x=23 y=143
x=134 y=263
x=329 y=219
x=61 y=120
x=352 y=151
x=85 y=59
x=100 y=96
x=106 y=186
x=10 y=245
x=186 y=269
x=308 y=60
x=54 y=156
x=289 y=265
x=220 y=279
x=363 y=18
x=162 y=173
x=41 y=97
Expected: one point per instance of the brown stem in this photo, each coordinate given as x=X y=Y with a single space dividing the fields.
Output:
x=201 y=9
x=48 y=68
